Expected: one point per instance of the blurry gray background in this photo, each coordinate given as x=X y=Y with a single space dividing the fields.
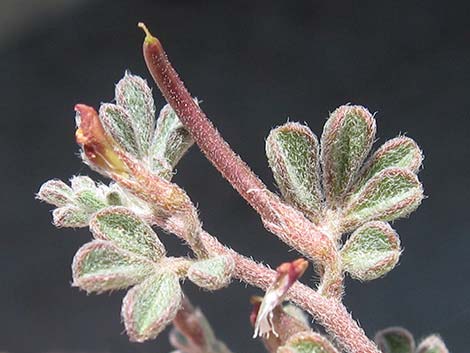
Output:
x=255 y=64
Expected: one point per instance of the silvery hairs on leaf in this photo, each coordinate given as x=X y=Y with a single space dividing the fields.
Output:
x=118 y=124
x=390 y=194
x=55 y=192
x=432 y=344
x=135 y=96
x=213 y=273
x=395 y=340
x=400 y=152
x=371 y=251
x=347 y=138
x=150 y=306
x=70 y=217
x=307 y=342
x=293 y=155
x=170 y=142
x=128 y=231
x=101 y=266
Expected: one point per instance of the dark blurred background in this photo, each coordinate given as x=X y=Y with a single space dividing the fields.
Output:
x=255 y=65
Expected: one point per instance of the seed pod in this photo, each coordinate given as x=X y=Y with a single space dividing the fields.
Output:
x=128 y=231
x=100 y=266
x=391 y=194
x=371 y=251
x=55 y=192
x=345 y=143
x=150 y=306
x=292 y=151
x=395 y=340
x=213 y=273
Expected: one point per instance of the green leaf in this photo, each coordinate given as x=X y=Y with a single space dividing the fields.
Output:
x=90 y=200
x=82 y=182
x=70 y=216
x=128 y=231
x=345 y=143
x=117 y=123
x=432 y=344
x=100 y=266
x=150 y=306
x=134 y=95
x=55 y=192
x=292 y=151
x=170 y=142
x=213 y=273
x=395 y=340
x=401 y=152
x=391 y=194
x=307 y=342
x=371 y=251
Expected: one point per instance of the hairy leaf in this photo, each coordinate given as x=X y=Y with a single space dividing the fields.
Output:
x=371 y=251
x=401 y=152
x=70 y=216
x=90 y=200
x=391 y=194
x=117 y=123
x=82 y=182
x=55 y=192
x=432 y=344
x=213 y=273
x=292 y=151
x=307 y=342
x=101 y=266
x=346 y=141
x=170 y=142
x=135 y=96
x=395 y=340
x=128 y=231
x=150 y=306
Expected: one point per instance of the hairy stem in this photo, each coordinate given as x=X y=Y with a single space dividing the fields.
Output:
x=289 y=224
x=328 y=312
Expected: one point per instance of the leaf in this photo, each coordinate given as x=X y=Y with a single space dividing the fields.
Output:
x=401 y=152
x=292 y=151
x=100 y=266
x=128 y=231
x=90 y=200
x=134 y=95
x=150 y=306
x=395 y=340
x=345 y=143
x=307 y=342
x=371 y=251
x=117 y=123
x=391 y=194
x=70 y=216
x=82 y=182
x=213 y=273
x=55 y=192
x=432 y=344
x=170 y=142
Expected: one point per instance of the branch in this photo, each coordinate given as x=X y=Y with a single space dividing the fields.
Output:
x=290 y=225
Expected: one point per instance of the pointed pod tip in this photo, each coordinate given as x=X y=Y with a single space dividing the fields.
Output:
x=149 y=38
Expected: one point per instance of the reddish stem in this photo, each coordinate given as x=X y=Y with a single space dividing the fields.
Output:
x=290 y=225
